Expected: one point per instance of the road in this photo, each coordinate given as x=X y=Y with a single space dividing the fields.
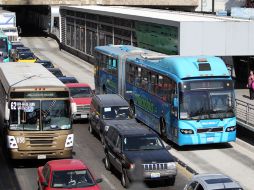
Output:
x=22 y=175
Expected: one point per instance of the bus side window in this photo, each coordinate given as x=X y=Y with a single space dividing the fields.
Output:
x=137 y=76
x=153 y=87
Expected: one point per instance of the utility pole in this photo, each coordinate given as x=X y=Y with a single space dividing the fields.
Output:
x=213 y=6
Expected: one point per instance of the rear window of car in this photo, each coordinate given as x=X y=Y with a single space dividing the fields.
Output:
x=219 y=180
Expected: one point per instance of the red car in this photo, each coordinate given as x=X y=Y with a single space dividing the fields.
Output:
x=81 y=96
x=66 y=174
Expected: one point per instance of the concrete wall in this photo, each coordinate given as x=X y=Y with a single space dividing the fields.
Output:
x=103 y=2
x=225 y=5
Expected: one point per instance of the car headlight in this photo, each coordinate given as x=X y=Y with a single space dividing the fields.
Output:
x=171 y=165
x=12 y=143
x=186 y=131
x=69 y=141
x=106 y=128
x=231 y=129
x=73 y=107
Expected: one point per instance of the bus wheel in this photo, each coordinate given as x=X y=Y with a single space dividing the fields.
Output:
x=104 y=90
x=163 y=127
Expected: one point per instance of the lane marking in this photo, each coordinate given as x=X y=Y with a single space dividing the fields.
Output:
x=108 y=182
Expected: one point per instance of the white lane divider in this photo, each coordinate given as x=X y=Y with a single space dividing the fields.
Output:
x=108 y=182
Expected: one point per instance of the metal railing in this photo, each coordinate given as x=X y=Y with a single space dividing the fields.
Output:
x=245 y=114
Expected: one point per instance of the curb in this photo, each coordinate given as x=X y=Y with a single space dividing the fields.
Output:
x=187 y=168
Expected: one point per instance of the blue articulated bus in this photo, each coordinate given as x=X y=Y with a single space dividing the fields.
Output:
x=189 y=100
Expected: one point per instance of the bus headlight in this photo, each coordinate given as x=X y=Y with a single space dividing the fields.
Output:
x=231 y=129
x=186 y=131
x=12 y=143
x=69 y=141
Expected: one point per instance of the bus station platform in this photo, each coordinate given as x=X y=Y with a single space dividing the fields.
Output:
x=244 y=109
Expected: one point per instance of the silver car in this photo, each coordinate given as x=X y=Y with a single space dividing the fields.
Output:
x=212 y=182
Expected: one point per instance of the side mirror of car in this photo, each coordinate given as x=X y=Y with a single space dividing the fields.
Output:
x=117 y=150
x=93 y=91
x=168 y=147
x=98 y=180
x=44 y=184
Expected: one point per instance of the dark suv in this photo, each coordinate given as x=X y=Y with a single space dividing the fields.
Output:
x=138 y=153
x=107 y=110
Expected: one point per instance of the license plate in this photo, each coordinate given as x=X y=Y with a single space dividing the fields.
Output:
x=41 y=156
x=155 y=175
x=83 y=116
x=209 y=139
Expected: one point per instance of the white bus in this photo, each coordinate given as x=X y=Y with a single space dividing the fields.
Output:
x=34 y=112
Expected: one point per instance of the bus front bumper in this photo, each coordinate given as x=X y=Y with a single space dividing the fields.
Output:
x=41 y=154
x=206 y=138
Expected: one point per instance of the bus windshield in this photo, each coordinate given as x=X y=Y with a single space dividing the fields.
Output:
x=209 y=104
x=28 y=115
x=3 y=45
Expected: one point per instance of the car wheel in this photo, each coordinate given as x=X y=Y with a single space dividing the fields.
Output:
x=171 y=181
x=107 y=163
x=102 y=139
x=125 y=180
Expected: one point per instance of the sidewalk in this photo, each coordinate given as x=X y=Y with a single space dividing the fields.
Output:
x=244 y=109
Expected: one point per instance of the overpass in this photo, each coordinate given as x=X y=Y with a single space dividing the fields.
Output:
x=165 y=3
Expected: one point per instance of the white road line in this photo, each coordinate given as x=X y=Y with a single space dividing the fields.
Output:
x=108 y=182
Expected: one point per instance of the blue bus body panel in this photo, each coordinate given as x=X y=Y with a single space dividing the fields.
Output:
x=209 y=137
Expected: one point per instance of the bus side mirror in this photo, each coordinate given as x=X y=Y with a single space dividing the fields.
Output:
x=7 y=111
x=175 y=102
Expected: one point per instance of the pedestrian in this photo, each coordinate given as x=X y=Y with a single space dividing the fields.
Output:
x=250 y=84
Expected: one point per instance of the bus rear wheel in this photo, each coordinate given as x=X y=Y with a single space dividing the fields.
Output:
x=163 y=127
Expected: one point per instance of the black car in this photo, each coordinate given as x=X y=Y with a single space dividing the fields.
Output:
x=15 y=45
x=57 y=72
x=139 y=154
x=67 y=80
x=105 y=109
x=45 y=63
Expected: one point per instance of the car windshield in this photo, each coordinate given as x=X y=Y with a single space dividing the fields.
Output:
x=55 y=115
x=27 y=115
x=72 y=179
x=57 y=72
x=116 y=112
x=142 y=143
x=209 y=104
x=26 y=56
x=80 y=92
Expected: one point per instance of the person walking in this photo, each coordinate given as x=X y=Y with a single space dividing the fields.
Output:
x=250 y=84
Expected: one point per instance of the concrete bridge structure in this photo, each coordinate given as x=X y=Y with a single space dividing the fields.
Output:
x=166 y=3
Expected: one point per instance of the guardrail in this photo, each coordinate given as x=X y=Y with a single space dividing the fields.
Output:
x=245 y=114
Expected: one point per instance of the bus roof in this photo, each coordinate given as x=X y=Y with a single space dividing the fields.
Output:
x=173 y=66
x=27 y=75
x=185 y=67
